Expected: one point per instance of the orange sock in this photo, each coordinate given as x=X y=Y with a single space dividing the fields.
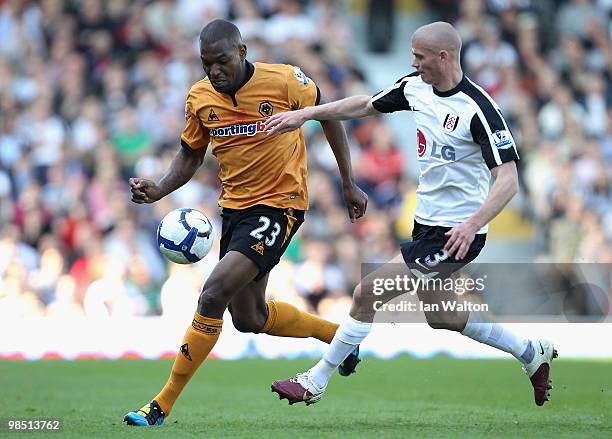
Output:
x=197 y=344
x=285 y=320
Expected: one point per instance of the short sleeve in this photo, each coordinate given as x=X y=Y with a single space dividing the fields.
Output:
x=393 y=98
x=301 y=90
x=490 y=131
x=195 y=135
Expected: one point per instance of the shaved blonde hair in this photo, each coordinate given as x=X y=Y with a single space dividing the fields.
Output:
x=439 y=36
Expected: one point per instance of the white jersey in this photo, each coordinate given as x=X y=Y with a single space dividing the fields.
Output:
x=461 y=135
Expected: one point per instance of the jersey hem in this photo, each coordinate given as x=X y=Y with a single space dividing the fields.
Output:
x=240 y=206
x=425 y=222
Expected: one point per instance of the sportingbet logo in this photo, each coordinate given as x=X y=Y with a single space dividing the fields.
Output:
x=249 y=129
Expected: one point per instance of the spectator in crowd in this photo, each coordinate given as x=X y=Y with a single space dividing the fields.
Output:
x=93 y=92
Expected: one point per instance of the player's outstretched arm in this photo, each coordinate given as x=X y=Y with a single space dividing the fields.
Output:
x=502 y=191
x=353 y=107
x=183 y=166
x=355 y=199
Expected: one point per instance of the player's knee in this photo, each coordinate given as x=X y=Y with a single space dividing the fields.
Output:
x=213 y=296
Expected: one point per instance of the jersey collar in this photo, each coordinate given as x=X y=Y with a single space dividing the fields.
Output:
x=456 y=89
x=250 y=70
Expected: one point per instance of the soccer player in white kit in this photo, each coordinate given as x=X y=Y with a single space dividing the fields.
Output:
x=463 y=139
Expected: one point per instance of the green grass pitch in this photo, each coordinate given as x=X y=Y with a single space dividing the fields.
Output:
x=403 y=397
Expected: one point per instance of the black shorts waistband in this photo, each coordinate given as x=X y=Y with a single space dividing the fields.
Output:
x=289 y=210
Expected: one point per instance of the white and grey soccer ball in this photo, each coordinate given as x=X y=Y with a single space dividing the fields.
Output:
x=185 y=236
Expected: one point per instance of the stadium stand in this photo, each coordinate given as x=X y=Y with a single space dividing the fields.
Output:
x=93 y=92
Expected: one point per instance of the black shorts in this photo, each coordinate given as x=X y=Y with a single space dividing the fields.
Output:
x=262 y=233
x=426 y=253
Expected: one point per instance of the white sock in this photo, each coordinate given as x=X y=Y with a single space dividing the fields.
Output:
x=494 y=334
x=349 y=334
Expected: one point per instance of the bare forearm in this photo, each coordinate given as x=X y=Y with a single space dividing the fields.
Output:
x=353 y=107
x=502 y=191
x=336 y=137
x=183 y=167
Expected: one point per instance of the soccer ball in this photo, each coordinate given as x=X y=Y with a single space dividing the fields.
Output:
x=185 y=236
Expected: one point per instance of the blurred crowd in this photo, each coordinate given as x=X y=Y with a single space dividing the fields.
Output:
x=548 y=64
x=92 y=92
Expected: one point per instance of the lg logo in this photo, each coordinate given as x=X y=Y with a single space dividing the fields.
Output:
x=421 y=143
x=444 y=152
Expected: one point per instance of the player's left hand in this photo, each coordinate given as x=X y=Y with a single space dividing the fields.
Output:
x=460 y=238
x=356 y=201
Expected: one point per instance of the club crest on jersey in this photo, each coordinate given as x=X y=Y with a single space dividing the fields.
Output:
x=300 y=76
x=450 y=122
x=502 y=139
x=266 y=109
x=248 y=129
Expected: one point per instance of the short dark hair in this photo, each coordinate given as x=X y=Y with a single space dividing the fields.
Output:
x=218 y=30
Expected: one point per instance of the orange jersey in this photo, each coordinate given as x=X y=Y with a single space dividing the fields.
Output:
x=255 y=168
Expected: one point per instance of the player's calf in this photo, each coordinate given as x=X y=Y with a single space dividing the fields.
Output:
x=446 y=320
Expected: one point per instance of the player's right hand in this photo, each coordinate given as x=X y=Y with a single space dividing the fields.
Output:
x=144 y=191
x=284 y=122
x=356 y=202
